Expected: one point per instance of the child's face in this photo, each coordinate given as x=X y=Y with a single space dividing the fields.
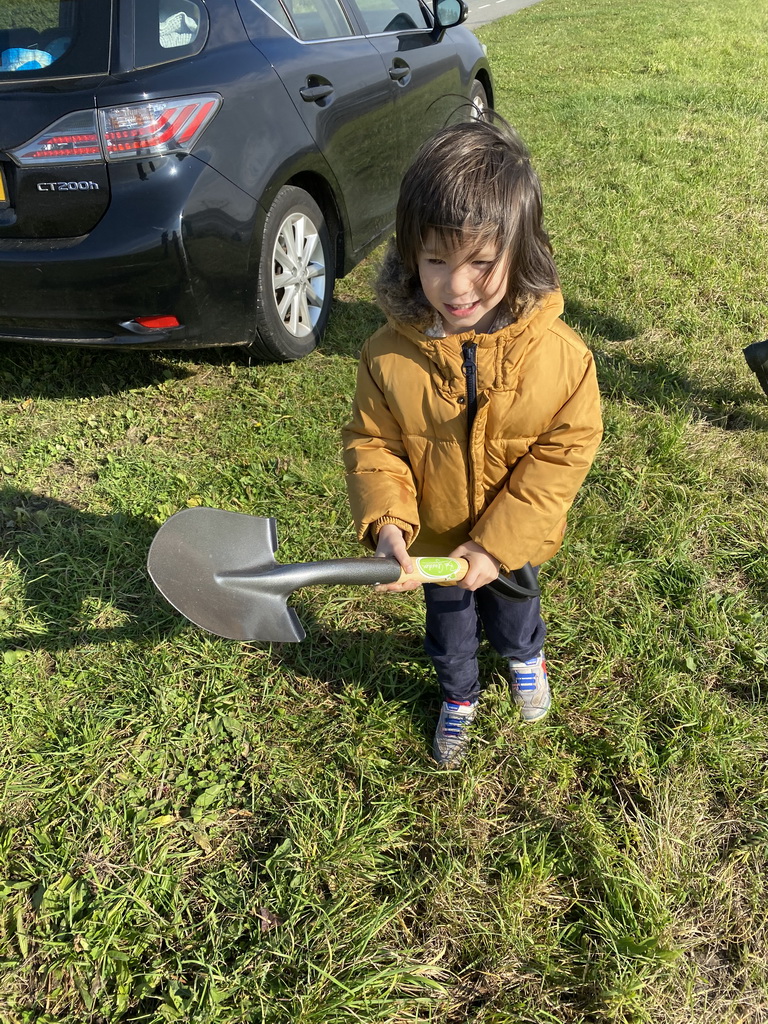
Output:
x=458 y=285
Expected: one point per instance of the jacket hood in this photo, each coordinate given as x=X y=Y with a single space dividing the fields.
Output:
x=400 y=295
x=405 y=305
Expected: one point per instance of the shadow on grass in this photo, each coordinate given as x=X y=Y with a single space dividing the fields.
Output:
x=589 y=322
x=51 y=372
x=82 y=576
x=655 y=384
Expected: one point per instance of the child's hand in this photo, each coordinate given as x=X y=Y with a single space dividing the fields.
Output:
x=391 y=544
x=483 y=568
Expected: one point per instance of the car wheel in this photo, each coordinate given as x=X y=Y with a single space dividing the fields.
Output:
x=479 y=99
x=296 y=277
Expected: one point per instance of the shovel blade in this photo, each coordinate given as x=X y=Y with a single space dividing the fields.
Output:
x=202 y=559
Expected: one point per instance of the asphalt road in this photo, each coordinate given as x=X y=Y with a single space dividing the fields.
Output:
x=483 y=11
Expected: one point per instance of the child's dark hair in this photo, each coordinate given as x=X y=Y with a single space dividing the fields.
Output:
x=472 y=184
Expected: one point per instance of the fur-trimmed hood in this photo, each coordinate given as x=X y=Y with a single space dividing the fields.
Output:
x=400 y=295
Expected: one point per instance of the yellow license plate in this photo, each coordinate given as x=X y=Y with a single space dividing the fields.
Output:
x=3 y=193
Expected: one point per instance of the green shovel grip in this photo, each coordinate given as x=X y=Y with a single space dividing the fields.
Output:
x=436 y=569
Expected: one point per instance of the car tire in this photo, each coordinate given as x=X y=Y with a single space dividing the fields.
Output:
x=479 y=100
x=296 y=277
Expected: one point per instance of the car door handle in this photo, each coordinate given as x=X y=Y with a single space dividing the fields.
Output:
x=398 y=71
x=314 y=90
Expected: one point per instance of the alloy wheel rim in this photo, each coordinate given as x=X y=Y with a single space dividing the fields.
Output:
x=478 y=107
x=298 y=274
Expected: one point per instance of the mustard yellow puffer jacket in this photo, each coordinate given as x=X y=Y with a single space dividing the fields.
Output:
x=508 y=487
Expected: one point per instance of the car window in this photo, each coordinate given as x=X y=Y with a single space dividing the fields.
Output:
x=393 y=15
x=311 y=19
x=54 y=38
x=319 y=19
x=167 y=30
x=276 y=10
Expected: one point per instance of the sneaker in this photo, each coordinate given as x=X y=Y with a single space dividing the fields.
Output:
x=530 y=687
x=452 y=733
x=757 y=360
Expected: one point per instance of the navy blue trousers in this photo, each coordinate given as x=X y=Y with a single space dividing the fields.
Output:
x=456 y=620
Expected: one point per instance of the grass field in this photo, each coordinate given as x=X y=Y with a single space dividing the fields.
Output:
x=197 y=830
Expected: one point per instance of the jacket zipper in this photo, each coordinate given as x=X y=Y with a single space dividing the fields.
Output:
x=469 y=368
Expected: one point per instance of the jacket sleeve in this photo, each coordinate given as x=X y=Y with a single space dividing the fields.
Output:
x=379 y=479
x=531 y=509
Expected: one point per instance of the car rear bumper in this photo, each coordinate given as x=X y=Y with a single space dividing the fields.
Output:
x=96 y=339
x=160 y=249
x=81 y=295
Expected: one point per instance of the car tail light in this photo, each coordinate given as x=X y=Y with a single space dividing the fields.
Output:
x=153 y=128
x=70 y=140
x=156 y=128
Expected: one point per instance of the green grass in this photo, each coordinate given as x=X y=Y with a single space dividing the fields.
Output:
x=197 y=830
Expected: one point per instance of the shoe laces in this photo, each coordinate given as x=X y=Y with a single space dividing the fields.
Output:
x=454 y=723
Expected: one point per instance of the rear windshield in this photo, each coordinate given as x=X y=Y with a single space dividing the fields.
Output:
x=54 y=38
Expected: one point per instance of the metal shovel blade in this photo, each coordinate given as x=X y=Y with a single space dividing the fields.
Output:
x=204 y=561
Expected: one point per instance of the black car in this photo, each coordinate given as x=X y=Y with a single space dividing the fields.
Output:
x=188 y=173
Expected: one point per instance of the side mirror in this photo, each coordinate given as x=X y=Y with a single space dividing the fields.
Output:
x=447 y=14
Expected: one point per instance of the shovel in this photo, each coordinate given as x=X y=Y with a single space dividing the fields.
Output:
x=218 y=569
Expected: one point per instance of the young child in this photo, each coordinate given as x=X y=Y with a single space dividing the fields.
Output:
x=477 y=414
